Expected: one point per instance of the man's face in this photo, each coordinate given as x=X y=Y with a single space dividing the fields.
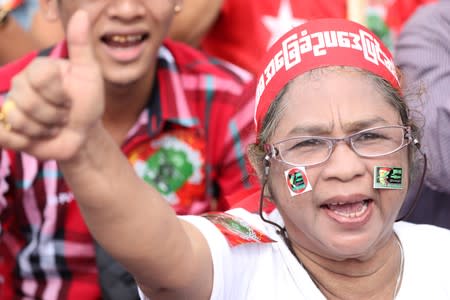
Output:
x=126 y=34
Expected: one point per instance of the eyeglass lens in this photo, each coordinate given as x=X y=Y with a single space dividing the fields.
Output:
x=307 y=150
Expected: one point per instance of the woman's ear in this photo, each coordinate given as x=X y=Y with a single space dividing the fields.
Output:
x=255 y=160
x=260 y=163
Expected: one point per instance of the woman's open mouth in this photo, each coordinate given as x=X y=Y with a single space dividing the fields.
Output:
x=349 y=212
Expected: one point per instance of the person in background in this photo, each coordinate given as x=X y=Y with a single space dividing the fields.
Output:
x=177 y=116
x=24 y=28
x=241 y=31
x=47 y=30
x=423 y=55
x=335 y=148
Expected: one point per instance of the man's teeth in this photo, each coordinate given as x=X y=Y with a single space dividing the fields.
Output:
x=347 y=210
x=126 y=38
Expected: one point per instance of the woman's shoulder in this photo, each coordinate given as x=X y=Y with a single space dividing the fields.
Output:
x=405 y=227
x=423 y=235
x=427 y=263
x=238 y=226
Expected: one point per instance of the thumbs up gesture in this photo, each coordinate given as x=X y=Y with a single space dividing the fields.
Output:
x=54 y=103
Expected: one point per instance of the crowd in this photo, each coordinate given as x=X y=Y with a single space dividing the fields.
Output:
x=156 y=149
x=25 y=26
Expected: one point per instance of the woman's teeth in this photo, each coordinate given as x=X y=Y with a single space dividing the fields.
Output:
x=349 y=210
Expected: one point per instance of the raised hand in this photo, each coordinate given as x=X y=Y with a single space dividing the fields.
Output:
x=54 y=103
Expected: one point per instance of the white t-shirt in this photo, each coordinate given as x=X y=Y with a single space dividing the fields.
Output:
x=270 y=271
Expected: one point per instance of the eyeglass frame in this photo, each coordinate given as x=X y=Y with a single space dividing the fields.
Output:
x=273 y=152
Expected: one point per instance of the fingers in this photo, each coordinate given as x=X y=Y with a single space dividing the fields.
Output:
x=3 y=113
x=12 y=140
x=37 y=104
x=43 y=77
x=38 y=94
x=8 y=138
x=40 y=111
x=78 y=39
x=16 y=120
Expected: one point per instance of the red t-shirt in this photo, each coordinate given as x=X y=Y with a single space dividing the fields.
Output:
x=245 y=29
x=188 y=143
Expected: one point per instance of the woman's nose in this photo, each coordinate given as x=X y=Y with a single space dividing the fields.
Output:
x=344 y=163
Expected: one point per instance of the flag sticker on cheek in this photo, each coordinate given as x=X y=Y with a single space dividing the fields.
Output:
x=297 y=181
x=387 y=178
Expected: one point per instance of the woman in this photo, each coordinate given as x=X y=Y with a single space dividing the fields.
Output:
x=335 y=148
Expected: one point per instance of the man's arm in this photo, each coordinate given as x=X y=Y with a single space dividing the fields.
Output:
x=131 y=220
x=44 y=30
x=14 y=41
x=55 y=113
x=195 y=20
x=423 y=55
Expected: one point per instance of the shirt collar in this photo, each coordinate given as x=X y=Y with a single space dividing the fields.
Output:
x=171 y=89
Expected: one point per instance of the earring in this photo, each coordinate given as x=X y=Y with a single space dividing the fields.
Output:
x=177 y=8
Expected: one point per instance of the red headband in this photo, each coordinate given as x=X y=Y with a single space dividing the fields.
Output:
x=316 y=44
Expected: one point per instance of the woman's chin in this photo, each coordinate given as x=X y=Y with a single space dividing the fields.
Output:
x=343 y=246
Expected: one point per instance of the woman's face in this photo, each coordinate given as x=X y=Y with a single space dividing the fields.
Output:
x=343 y=216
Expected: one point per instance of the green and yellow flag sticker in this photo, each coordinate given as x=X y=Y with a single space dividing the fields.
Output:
x=236 y=230
x=387 y=178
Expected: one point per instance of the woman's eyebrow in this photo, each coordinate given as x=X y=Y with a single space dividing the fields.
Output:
x=326 y=129
x=365 y=124
x=310 y=129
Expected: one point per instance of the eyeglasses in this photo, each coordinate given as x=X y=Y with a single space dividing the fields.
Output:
x=314 y=150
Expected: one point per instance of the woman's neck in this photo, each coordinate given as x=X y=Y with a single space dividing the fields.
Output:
x=375 y=278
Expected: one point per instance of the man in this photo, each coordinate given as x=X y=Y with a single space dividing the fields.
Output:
x=423 y=55
x=177 y=116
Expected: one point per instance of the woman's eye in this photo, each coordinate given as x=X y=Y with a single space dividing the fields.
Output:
x=307 y=143
x=370 y=137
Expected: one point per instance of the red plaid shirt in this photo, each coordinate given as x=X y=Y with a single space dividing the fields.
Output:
x=189 y=143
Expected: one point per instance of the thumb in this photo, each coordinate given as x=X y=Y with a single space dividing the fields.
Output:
x=78 y=39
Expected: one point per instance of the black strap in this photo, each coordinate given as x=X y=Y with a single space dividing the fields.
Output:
x=116 y=283
x=46 y=51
